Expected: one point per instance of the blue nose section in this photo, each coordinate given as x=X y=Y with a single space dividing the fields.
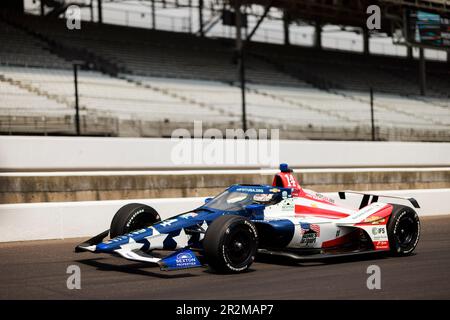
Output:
x=116 y=242
x=112 y=244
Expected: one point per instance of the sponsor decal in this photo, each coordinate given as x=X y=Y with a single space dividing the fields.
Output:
x=136 y=232
x=378 y=230
x=309 y=238
x=310 y=233
x=381 y=245
x=379 y=233
x=180 y=260
x=375 y=220
x=287 y=206
x=263 y=197
x=129 y=236
x=185 y=260
x=116 y=239
x=274 y=190
x=319 y=196
x=189 y=215
x=254 y=190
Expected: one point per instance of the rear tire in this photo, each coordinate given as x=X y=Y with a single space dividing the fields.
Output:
x=132 y=216
x=230 y=244
x=403 y=230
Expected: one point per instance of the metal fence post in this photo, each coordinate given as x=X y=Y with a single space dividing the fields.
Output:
x=372 y=120
x=77 y=109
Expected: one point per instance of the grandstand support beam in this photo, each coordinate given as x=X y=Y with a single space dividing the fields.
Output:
x=366 y=36
x=286 y=22
x=190 y=15
x=318 y=35
x=153 y=15
x=372 y=116
x=77 y=108
x=241 y=60
x=260 y=20
x=200 y=17
x=422 y=72
x=409 y=52
x=100 y=11
x=91 y=10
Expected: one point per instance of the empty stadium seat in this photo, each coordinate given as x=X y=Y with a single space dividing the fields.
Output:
x=162 y=79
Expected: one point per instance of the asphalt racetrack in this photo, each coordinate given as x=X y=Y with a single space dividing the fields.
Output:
x=37 y=270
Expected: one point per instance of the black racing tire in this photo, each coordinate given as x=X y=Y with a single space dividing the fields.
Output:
x=132 y=216
x=230 y=244
x=403 y=230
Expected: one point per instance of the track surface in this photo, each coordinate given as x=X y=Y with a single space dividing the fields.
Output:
x=37 y=270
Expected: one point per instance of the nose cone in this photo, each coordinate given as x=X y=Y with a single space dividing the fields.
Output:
x=116 y=242
x=104 y=247
x=112 y=244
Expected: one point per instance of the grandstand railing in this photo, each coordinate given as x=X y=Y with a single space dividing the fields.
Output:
x=110 y=126
x=58 y=125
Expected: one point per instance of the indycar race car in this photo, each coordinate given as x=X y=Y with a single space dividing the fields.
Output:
x=227 y=232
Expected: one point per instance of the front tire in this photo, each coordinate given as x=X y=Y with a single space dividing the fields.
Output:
x=132 y=216
x=403 y=230
x=230 y=244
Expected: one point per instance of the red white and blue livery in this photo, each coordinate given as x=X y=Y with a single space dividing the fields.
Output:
x=230 y=230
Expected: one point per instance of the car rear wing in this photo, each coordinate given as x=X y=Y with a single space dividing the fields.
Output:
x=370 y=198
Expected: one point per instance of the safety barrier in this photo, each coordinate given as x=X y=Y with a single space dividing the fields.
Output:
x=58 y=220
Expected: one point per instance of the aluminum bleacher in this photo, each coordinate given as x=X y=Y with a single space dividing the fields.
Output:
x=157 y=85
x=19 y=48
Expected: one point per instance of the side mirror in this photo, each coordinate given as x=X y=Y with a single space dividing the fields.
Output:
x=256 y=211
x=208 y=200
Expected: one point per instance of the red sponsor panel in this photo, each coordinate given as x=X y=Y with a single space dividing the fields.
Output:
x=381 y=245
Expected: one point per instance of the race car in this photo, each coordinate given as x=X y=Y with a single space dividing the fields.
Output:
x=228 y=231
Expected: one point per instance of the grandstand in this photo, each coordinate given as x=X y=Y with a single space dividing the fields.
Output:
x=142 y=82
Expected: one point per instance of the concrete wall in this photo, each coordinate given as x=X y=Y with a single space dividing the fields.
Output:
x=24 y=187
x=86 y=153
x=59 y=220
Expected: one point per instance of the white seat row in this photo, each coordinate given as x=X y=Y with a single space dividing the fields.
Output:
x=176 y=100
